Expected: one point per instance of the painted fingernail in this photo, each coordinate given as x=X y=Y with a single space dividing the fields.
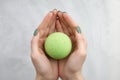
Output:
x=78 y=30
x=35 y=32
x=59 y=11
x=55 y=9
x=64 y=12
x=50 y=12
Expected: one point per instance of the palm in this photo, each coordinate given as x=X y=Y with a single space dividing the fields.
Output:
x=45 y=66
x=70 y=63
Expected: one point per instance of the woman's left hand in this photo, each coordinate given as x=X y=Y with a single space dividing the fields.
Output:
x=46 y=68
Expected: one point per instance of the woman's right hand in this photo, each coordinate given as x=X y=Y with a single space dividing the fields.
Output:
x=70 y=68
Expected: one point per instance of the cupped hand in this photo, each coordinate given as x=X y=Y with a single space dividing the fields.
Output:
x=70 y=68
x=46 y=68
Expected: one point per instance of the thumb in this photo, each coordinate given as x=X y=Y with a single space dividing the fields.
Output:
x=81 y=43
x=34 y=42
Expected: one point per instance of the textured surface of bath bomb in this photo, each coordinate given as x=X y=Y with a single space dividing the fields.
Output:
x=58 y=45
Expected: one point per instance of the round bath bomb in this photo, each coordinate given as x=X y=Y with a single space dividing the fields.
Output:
x=58 y=45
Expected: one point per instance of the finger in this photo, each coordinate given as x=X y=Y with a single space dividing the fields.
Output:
x=34 y=44
x=67 y=29
x=58 y=26
x=81 y=43
x=53 y=20
x=61 y=22
x=69 y=20
x=70 y=30
x=46 y=21
x=43 y=28
x=43 y=33
x=85 y=40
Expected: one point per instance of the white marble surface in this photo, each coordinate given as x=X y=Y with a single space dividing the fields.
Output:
x=99 y=20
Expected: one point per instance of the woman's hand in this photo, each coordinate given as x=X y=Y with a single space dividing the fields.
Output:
x=70 y=68
x=46 y=68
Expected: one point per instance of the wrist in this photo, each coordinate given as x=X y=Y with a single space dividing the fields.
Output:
x=73 y=76
x=40 y=77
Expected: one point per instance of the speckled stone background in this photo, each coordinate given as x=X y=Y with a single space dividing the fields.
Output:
x=99 y=20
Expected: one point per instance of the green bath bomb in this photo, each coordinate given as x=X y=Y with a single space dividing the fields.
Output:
x=58 y=45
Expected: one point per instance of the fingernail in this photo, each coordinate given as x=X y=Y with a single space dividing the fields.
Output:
x=64 y=12
x=50 y=11
x=59 y=11
x=35 y=32
x=55 y=9
x=78 y=30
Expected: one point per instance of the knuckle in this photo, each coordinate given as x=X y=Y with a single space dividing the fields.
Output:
x=33 y=56
x=33 y=41
x=83 y=53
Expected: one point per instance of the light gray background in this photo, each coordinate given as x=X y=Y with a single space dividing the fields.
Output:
x=99 y=20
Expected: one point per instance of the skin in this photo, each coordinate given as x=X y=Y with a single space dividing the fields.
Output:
x=68 y=68
x=46 y=68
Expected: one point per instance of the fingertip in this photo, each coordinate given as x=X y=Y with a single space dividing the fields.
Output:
x=81 y=41
x=55 y=11
x=78 y=29
x=50 y=14
x=35 y=32
x=64 y=12
x=79 y=36
x=35 y=39
x=65 y=15
x=35 y=36
x=59 y=13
